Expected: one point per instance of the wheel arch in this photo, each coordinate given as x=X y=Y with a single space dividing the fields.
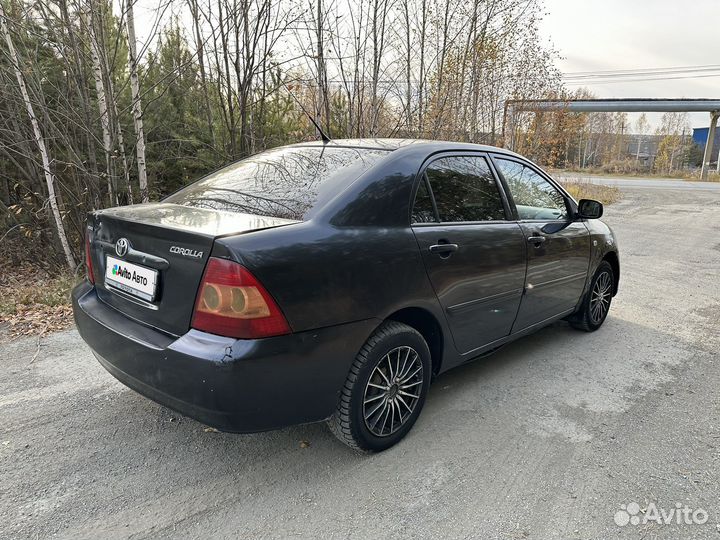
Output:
x=612 y=258
x=424 y=322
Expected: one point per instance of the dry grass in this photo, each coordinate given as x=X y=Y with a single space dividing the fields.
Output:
x=682 y=174
x=33 y=302
x=585 y=189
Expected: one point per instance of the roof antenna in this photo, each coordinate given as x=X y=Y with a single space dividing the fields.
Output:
x=325 y=138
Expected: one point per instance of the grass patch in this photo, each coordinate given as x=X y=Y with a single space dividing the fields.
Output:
x=33 y=302
x=585 y=189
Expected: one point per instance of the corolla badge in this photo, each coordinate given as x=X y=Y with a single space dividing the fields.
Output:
x=186 y=252
x=121 y=247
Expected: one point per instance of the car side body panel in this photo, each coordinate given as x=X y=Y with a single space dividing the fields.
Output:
x=481 y=284
x=322 y=275
x=603 y=245
x=557 y=270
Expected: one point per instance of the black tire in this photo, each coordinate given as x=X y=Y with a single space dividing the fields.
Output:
x=590 y=317
x=360 y=393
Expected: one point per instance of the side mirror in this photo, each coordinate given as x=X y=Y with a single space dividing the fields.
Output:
x=590 y=209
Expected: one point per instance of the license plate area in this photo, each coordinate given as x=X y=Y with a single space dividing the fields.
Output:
x=131 y=278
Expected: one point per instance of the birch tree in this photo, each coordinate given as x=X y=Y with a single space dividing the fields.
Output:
x=136 y=104
x=39 y=140
x=95 y=55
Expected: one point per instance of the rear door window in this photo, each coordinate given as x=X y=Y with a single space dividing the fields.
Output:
x=465 y=189
x=423 y=210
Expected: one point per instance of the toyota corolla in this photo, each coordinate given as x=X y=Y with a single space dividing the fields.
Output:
x=333 y=281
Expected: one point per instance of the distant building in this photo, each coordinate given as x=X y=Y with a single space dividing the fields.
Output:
x=642 y=147
x=700 y=136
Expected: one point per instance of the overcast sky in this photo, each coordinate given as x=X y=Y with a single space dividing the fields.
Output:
x=600 y=35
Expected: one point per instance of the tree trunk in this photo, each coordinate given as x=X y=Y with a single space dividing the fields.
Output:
x=408 y=68
x=200 y=48
x=102 y=107
x=81 y=83
x=379 y=17
x=136 y=105
x=229 y=109
x=421 y=82
x=49 y=178
x=119 y=132
x=324 y=94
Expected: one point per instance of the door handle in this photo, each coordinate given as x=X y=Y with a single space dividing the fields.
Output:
x=537 y=240
x=444 y=250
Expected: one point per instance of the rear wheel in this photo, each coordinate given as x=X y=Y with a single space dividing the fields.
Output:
x=595 y=306
x=385 y=389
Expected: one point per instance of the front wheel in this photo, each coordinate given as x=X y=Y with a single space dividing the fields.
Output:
x=385 y=389
x=595 y=306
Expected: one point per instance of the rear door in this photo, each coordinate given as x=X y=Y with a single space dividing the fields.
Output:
x=474 y=255
x=558 y=247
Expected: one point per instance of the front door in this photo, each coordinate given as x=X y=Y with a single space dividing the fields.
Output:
x=558 y=248
x=474 y=255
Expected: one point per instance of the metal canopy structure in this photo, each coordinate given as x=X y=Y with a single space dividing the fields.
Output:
x=711 y=106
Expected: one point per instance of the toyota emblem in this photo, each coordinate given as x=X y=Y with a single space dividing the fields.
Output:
x=121 y=247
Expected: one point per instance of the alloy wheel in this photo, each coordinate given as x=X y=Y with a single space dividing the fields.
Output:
x=392 y=391
x=600 y=298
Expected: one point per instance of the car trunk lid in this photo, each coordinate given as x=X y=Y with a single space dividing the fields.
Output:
x=149 y=259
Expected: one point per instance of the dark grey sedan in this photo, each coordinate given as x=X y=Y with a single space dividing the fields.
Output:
x=332 y=282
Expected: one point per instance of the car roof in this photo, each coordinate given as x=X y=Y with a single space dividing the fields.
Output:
x=392 y=145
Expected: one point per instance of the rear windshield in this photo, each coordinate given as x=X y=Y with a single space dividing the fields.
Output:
x=283 y=183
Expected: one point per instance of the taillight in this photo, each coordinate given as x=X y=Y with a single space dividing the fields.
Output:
x=231 y=302
x=88 y=258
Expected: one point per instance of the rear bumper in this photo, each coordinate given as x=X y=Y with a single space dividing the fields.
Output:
x=233 y=385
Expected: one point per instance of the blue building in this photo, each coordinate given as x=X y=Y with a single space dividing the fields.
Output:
x=700 y=136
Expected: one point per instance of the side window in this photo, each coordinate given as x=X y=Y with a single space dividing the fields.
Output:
x=535 y=197
x=465 y=189
x=423 y=211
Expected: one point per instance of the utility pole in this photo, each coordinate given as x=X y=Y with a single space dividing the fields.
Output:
x=709 y=145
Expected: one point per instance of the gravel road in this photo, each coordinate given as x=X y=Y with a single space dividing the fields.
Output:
x=545 y=439
x=635 y=182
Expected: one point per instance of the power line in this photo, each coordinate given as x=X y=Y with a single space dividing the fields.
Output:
x=642 y=79
x=641 y=75
x=660 y=74
x=573 y=74
x=649 y=74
